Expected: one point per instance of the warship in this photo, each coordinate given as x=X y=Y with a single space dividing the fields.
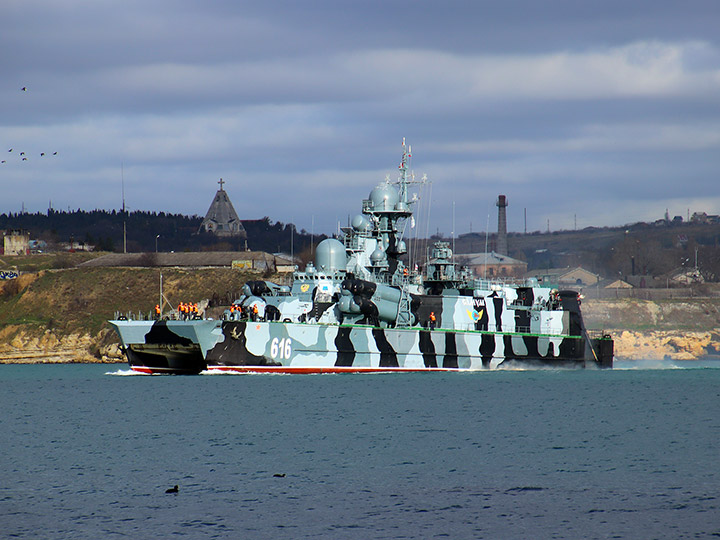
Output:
x=359 y=307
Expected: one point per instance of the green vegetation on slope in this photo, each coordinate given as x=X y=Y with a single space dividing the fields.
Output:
x=82 y=300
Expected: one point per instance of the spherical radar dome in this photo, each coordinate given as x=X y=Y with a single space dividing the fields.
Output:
x=360 y=223
x=378 y=255
x=384 y=197
x=330 y=255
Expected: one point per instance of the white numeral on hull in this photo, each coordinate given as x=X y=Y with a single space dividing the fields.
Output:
x=282 y=347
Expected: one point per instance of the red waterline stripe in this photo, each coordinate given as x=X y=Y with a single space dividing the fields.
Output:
x=150 y=371
x=309 y=370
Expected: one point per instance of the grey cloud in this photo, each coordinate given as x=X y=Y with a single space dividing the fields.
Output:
x=300 y=105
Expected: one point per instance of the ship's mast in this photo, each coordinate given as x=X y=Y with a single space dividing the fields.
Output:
x=406 y=178
x=403 y=180
x=388 y=205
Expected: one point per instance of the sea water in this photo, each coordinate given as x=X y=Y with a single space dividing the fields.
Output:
x=87 y=452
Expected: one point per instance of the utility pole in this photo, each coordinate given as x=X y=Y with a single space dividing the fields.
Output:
x=122 y=176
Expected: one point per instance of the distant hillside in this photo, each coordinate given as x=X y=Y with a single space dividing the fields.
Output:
x=104 y=230
x=613 y=252
x=62 y=314
x=639 y=249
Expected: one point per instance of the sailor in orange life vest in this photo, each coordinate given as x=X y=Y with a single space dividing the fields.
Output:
x=157 y=311
x=255 y=312
x=432 y=320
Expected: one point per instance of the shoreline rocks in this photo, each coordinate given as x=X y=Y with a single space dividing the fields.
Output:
x=48 y=348
x=681 y=329
x=665 y=345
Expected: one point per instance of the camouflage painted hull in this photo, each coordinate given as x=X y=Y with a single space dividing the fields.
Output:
x=316 y=348
x=167 y=346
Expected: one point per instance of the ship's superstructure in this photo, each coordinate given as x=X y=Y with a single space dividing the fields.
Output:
x=359 y=307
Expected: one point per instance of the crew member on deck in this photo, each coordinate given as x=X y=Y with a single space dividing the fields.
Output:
x=432 y=320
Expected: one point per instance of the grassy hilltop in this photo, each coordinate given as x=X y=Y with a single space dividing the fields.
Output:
x=47 y=304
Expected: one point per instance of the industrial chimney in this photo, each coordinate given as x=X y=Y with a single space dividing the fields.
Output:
x=502 y=247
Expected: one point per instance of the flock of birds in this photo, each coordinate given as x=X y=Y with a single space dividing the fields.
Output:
x=22 y=155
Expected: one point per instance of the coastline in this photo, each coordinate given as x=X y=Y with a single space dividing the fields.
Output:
x=86 y=349
x=49 y=348
x=59 y=316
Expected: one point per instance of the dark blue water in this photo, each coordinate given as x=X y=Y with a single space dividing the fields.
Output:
x=519 y=454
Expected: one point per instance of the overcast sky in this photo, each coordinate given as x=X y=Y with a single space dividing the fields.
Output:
x=582 y=112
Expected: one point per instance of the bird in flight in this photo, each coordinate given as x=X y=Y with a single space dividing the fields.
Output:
x=24 y=88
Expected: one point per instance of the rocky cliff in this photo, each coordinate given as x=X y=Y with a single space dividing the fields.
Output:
x=29 y=348
x=665 y=345
x=679 y=329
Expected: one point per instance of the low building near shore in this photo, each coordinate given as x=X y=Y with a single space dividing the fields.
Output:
x=577 y=277
x=493 y=265
x=16 y=242
x=614 y=284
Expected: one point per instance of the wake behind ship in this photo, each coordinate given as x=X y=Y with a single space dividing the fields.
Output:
x=360 y=308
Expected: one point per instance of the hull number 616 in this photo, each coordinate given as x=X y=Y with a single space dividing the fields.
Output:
x=281 y=347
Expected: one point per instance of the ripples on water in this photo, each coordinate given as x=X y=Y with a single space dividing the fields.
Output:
x=88 y=452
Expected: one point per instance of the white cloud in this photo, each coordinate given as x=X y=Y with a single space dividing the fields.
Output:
x=405 y=79
x=640 y=69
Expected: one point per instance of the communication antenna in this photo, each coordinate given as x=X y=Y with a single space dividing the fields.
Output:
x=427 y=225
x=487 y=233
x=122 y=177
x=453 y=233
